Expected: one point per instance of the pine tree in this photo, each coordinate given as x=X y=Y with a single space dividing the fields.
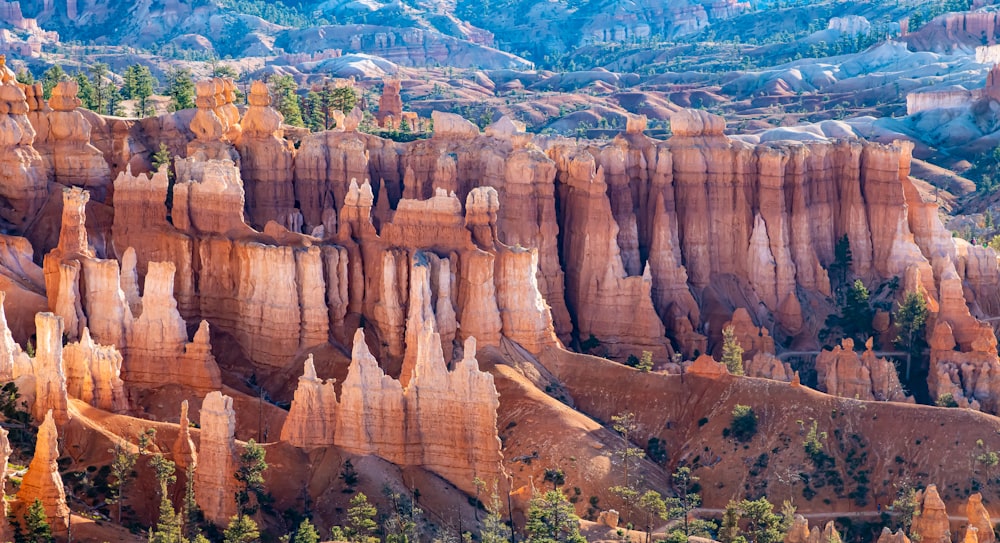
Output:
x=241 y=529
x=189 y=511
x=180 y=89
x=86 y=92
x=911 y=319
x=138 y=85
x=551 y=518
x=37 y=524
x=122 y=462
x=306 y=533
x=286 y=101
x=361 y=524
x=729 y=532
x=732 y=352
x=98 y=74
x=645 y=362
x=250 y=476
x=315 y=117
x=51 y=78
x=494 y=529
x=24 y=77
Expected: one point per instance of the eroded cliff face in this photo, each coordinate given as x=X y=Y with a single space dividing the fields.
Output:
x=651 y=247
x=442 y=249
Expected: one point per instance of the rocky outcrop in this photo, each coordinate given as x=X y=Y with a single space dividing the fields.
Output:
x=979 y=518
x=47 y=367
x=208 y=198
x=93 y=374
x=390 y=105
x=159 y=333
x=184 y=453
x=214 y=484
x=214 y=123
x=67 y=144
x=887 y=536
x=42 y=480
x=14 y=362
x=843 y=372
x=442 y=421
x=798 y=532
x=526 y=316
x=312 y=418
x=62 y=264
x=266 y=163
x=971 y=377
x=610 y=305
x=23 y=175
x=932 y=525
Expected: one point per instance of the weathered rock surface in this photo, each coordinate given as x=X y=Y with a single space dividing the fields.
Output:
x=979 y=518
x=51 y=398
x=93 y=374
x=159 y=333
x=214 y=483
x=23 y=173
x=887 y=536
x=67 y=143
x=266 y=162
x=184 y=453
x=442 y=421
x=42 y=480
x=932 y=525
x=843 y=372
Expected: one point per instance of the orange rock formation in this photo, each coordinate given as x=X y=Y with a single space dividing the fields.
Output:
x=42 y=480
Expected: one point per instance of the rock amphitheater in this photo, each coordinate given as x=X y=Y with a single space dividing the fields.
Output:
x=421 y=307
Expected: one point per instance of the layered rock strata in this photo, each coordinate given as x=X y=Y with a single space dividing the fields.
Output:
x=23 y=175
x=844 y=372
x=214 y=483
x=67 y=144
x=42 y=481
x=442 y=421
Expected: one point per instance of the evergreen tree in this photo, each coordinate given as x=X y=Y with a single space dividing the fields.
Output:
x=911 y=319
x=400 y=525
x=763 y=525
x=286 y=101
x=732 y=352
x=168 y=526
x=653 y=506
x=361 y=523
x=250 y=476
x=306 y=533
x=138 y=85
x=241 y=529
x=122 y=462
x=856 y=313
x=626 y=425
x=842 y=260
x=189 y=511
x=315 y=117
x=37 y=525
x=86 y=92
x=101 y=93
x=180 y=89
x=729 y=532
x=494 y=529
x=342 y=99
x=24 y=77
x=686 y=499
x=645 y=362
x=552 y=519
x=51 y=78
